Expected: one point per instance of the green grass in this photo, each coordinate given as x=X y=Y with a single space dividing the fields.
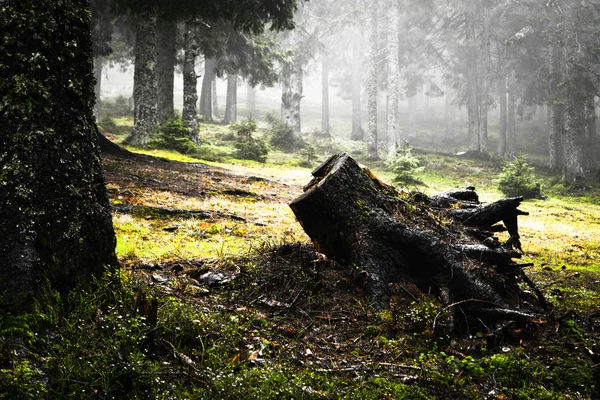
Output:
x=234 y=342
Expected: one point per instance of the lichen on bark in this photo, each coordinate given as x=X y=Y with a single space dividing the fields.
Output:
x=54 y=211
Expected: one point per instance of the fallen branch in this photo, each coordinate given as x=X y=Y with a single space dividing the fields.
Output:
x=201 y=214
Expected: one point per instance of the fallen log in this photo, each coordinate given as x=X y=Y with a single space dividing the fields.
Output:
x=396 y=237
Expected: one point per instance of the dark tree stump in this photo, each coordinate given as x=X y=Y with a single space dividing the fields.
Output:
x=356 y=219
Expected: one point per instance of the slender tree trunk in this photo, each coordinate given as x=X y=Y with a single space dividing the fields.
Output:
x=292 y=87
x=503 y=112
x=357 y=130
x=412 y=117
x=511 y=137
x=250 y=99
x=144 y=80
x=591 y=138
x=556 y=112
x=215 y=100
x=190 y=91
x=372 y=152
x=206 y=102
x=393 y=49
x=231 y=103
x=165 y=68
x=98 y=66
x=325 y=95
x=484 y=73
x=448 y=115
x=55 y=216
x=471 y=68
x=575 y=128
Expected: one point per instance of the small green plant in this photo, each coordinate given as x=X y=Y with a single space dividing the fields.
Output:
x=118 y=107
x=249 y=148
x=281 y=135
x=405 y=167
x=518 y=179
x=108 y=124
x=173 y=135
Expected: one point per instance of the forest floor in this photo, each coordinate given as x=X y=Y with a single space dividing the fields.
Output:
x=248 y=309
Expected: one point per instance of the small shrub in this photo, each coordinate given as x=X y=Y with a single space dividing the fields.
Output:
x=249 y=148
x=118 y=107
x=404 y=166
x=518 y=179
x=173 y=135
x=281 y=135
x=108 y=125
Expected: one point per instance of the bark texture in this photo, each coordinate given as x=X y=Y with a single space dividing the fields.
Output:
x=165 y=68
x=503 y=110
x=231 y=103
x=372 y=153
x=54 y=216
x=393 y=117
x=206 y=102
x=556 y=112
x=357 y=130
x=144 y=80
x=353 y=217
x=291 y=94
x=190 y=91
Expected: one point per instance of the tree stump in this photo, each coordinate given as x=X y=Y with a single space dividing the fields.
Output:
x=406 y=237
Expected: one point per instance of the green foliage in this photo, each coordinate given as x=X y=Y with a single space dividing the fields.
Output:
x=249 y=148
x=108 y=124
x=518 y=179
x=173 y=135
x=117 y=107
x=281 y=135
x=404 y=166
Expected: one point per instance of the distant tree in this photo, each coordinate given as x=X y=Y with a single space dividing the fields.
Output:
x=371 y=84
x=231 y=103
x=393 y=110
x=55 y=218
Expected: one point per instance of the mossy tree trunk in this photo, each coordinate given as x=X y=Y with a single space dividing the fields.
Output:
x=144 y=79
x=165 y=68
x=190 y=84
x=55 y=218
x=353 y=217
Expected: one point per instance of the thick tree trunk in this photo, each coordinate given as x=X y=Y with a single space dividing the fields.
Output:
x=165 y=68
x=98 y=66
x=356 y=219
x=231 y=103
x=144 y=80
x=190 y=85
x=372 y=151
x=556 y=112
x=357 y=130
x=291 y=96
x=55 y=218
x=206 y=102
x=503 y=112
x=393 y=117
x=575 y=128
x=325 y=95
